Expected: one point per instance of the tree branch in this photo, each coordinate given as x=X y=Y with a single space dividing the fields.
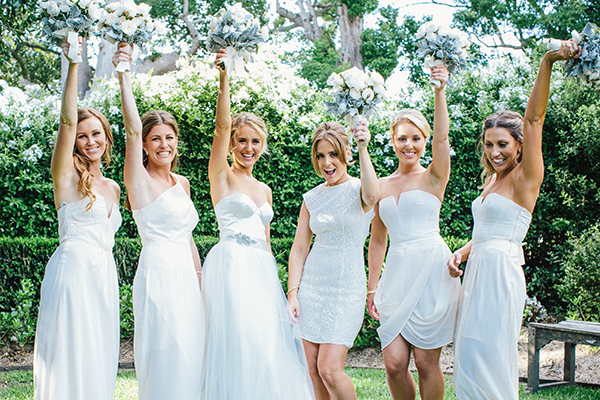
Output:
x=191 y=29
x=37 y=46
x=431 y=2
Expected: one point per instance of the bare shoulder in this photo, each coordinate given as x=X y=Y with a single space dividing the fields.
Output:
x=268 y=192
x=114 y=187
x=184 y=182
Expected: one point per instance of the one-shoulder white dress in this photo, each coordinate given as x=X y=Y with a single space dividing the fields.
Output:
x=169 y=336
x=416 y=297
x=333 y=287
x=491 y=306
x=76 y=353
x=254 y=349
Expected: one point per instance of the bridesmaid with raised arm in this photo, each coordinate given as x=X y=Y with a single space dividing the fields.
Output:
x=416 y=300
x=254 y=349
x=77 y=338
x=493 y=291
x=169 y=337
x=327 y=286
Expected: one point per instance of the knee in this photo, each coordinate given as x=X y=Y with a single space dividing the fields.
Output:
x=427 y=366
x=330 y=375
x=396 y=366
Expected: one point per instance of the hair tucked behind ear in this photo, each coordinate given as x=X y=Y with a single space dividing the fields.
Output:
x=83 y=163
x=513 y=123
x=334 y=133
x=257 y=123
x=158 y=117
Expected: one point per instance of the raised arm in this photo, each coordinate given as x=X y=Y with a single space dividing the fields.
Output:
x=440 y=146
x=218 y=167
x=532 y=161
x=61 y=168
x=377 y=247
x=298 y=255
x=134 y=173
x=369 y=186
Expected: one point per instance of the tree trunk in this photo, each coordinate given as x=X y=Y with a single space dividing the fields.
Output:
x=84 y=76
x=104 y=66
x=351 y=42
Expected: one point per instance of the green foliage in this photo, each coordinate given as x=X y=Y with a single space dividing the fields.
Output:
x=18 y=324
x=360 y=8
x=126 y=310
x=581 y=283
x=380 y=46
x=319 y=61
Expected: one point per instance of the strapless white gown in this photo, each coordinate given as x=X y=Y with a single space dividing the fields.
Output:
x=76 y=353
x=491 y=307
x=169 y=337
x=416 y=297
x=254 y=350
x=333 y=287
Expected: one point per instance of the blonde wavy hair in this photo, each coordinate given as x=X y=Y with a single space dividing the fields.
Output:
x=83 y=163
x=245 y=118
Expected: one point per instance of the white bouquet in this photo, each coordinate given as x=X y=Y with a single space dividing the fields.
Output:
x=441 y=45
x=125 y=21
x=587 y=66
x=68 y=19
x=237 y=31
x=356 y=94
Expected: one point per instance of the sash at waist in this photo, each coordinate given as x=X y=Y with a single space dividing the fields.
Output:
x=509 y=247
x=88 y=242
x=416 y=241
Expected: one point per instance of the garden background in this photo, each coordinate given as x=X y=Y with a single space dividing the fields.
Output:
x=562 y=248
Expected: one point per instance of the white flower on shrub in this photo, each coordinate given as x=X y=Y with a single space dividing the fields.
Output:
x=33 y=154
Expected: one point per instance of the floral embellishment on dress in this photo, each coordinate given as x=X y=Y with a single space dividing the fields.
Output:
x=242 y=239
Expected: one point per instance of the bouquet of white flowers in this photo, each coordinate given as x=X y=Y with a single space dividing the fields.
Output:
x=68 y=19
x=441 y=45
x=236 y=30
x=587 y=66
x=356 y=94
x=125 y=21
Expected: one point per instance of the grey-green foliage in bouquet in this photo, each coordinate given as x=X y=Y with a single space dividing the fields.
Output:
x=68 y=19
x=236 y=30
x=587 y=66
x=441 y=45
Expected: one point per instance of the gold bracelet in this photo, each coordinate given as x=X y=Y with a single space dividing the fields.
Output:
x=371 y=292
x=199 y=272
x=292 y=289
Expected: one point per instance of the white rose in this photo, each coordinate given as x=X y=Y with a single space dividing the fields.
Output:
x=84 y=3
x=334 y=80
x=368 y=94
x=427 y=27
x=454 y=33
x=129 y=27
x=379 y=89
x=594 y=75
x=53 y=9
x=144 y=9
x=377 y=78
x=355 y=94
x=95 y=12
x=64 y=8
x=45 y=4
x=443 y=31
x=114 y=7
x=110 y=19
x=129 y=6
x=431 y=36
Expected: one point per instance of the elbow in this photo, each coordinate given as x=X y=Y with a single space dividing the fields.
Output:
x=371 y=198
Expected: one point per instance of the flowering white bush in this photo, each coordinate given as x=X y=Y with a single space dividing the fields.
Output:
x=236 y=30
x=441 y=45
x=127 y=22
x=587 y=66
x=356 y=94
x=67 y=19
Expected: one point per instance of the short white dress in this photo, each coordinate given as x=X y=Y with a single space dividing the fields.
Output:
x=254 y=349
x=76 y=352
x=333 y=286
x=491 y=307
x=416 y=297
x=169 y=332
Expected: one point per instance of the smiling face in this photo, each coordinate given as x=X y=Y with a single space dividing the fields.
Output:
x=161 y=145
x=408 y=142
x=501 y=149
x=91 y=139
x=330 y=163
x=248 y=145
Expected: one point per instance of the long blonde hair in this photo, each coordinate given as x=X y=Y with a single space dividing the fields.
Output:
x=83 y=163
x=245 y=118
x=513 y=123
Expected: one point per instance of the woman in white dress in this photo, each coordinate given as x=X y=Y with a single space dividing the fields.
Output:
x=327 y=286
x=254 y=350
x=76 y=352
x=169 y=336
x=493 y=291
x=416 y=300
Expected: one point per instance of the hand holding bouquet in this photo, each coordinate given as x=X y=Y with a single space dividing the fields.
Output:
x=440 y=45
x=587 y=66
x=356 y=94
x=69 y=19
x=237 y=31
x=129 y=23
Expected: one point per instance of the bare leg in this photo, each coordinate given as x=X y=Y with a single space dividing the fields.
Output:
x=431 y=378
x=331 y=369
x=312 y=352
x=396 y=357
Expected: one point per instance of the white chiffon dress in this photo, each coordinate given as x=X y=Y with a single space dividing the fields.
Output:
x=333 y=286
x=254 y=349
x=76 y=353
x=491 y=306
x=416 y=297
x=169 y=332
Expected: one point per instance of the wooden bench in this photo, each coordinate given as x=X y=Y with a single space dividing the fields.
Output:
x=571 y=333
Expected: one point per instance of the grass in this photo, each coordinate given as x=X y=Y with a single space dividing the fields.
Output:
x=370 y=385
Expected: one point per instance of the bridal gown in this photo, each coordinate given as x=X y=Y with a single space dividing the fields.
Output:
x=491 y=306
x=76 y=352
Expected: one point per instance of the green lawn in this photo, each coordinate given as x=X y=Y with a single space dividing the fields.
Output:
x=370 y=385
